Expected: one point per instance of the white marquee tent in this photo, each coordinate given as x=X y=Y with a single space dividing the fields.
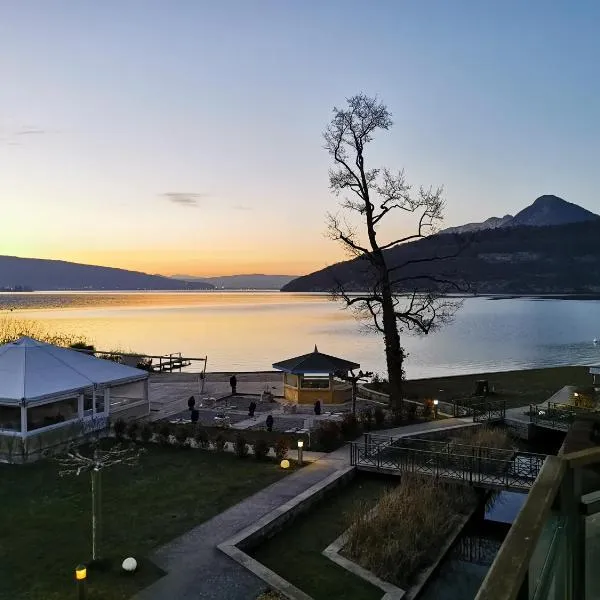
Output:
x=43 y=387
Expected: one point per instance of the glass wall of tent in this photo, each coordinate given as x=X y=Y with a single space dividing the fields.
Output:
x=127 y=396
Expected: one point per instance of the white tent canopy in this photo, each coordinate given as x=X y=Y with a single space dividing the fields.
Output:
x=31 y=371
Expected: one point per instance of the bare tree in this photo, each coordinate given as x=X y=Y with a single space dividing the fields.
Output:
x=400 y=296
x=354 y=379
x=75 y=463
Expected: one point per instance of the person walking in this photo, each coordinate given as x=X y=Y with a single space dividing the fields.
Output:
x=233 y=384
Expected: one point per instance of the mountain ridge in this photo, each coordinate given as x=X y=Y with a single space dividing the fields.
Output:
x=545 y=210
x=251 y=281
x=521 y=259
x=57 y=275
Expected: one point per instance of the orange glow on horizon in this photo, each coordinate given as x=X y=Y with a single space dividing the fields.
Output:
x=164 y=263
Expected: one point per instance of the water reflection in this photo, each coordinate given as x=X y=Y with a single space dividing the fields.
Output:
x=250 y=331
x=461 y=573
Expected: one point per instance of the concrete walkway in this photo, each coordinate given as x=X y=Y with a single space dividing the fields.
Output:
x=197 y=569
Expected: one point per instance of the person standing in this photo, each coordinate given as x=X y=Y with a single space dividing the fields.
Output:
x=233 y=384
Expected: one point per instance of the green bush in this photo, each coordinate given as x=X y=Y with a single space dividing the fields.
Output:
x=350 y=428
x=240 y=446
x=281 y=449
x=261 y=449
x=379 y=416
x=164 y=433
x=328 y=436
x=119 y=428
x=132 y=430
x=146 y=433
x=366 y=419
x=220 y=443
x=181 y=435
x=201 y=438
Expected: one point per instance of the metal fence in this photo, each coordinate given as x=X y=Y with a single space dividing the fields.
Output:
x=473 y=465
x=555 y=415
x=486 y=411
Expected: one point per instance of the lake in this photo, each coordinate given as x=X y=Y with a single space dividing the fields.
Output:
x=245 y=331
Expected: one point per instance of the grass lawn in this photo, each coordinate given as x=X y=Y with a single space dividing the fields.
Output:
x=45 y=521
x=518 y=388
x=295 y=553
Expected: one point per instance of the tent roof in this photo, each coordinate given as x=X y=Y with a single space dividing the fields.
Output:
x=32 y=370
x=315 y=362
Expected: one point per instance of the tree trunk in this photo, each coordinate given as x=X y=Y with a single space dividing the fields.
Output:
x=394 y=355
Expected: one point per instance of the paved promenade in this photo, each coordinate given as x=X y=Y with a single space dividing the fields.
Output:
x=197 y=569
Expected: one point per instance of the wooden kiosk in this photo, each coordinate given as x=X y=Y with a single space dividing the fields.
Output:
x=312 y=377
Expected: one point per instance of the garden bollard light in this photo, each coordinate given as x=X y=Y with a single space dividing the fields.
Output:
x=80 y=577
x=435 y=408
x=300 y=446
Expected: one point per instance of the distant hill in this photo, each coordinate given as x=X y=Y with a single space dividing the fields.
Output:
x=55 y=275
x=546 y=210
x=534 y=259
x=244 y=282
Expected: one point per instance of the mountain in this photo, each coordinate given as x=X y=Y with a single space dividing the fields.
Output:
x=244 y=282
x=491 y=223
x=551 y=210
x=51 y=275
x=559 y=259
x=546 y=210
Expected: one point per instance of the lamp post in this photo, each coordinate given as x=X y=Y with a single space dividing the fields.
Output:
x=81 y=577
x=435 y=408
x=300 y=447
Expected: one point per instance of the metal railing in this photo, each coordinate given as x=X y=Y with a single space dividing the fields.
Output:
x=472 y=465
x=555 y=415
x=486 y=411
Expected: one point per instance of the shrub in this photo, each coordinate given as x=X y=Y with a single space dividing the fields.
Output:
x=328 y=436
x=146 y=433
x=181 y=435
x=201 y=439
x=428 y=408
x=397 y=417
x=132 y=430
x=411 y=522
x=411 y=411
x=240 y=446
x=119 y=427
x=281 y=449
x=220 y=444
x=261 y=449
x=164 y=434
x=350 y=428
x=366 y=418
x=487 y=437
x=379 y=416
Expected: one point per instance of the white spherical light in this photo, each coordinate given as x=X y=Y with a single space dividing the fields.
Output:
x=130 y=564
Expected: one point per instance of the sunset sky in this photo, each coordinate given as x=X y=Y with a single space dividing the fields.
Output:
x=185 y=136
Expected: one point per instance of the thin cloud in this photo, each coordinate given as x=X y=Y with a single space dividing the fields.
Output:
x=184 y=198
x=241 y=207
x=30 y=131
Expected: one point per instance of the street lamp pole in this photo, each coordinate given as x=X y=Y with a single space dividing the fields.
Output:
x=81 y=577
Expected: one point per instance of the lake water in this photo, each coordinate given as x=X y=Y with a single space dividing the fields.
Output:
x=244 y=331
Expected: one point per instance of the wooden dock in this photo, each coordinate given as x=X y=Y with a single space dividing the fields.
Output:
x=155 y=363
x=169 y=363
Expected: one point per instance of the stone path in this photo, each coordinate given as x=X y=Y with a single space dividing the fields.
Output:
x=197 y=569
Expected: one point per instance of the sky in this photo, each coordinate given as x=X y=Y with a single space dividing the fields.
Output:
x=185 y=136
